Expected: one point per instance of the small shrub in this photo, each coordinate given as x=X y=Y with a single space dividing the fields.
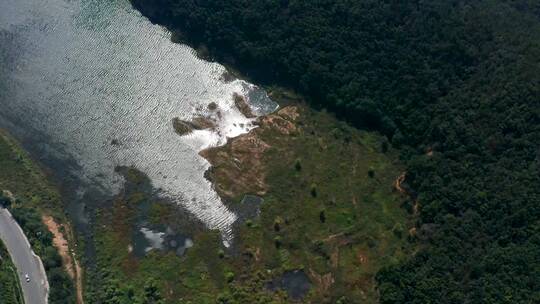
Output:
x=229 y=276
x=277 y=224
x=298 y=165
x=322 y=216
x=4 y=201
x=223 y=298
x=277 y=241
x=384 y=146
x=313 y=190
x=398 y=231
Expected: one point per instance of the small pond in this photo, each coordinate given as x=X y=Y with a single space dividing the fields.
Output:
x=296 y=283
x=146 y=239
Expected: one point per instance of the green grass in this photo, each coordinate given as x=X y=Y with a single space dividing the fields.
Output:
x=176 y=277
x=324 y=169
x=23 y=177
x=328 y=214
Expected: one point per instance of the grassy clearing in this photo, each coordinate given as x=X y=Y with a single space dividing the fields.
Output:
x=158 y=277
x=330 y=209
x=24 y=178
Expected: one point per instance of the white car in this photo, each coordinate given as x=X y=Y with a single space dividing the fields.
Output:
x=27 y=277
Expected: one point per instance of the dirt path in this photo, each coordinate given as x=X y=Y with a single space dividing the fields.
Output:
x=398 y=185
x=72 y=266
x=399 y=181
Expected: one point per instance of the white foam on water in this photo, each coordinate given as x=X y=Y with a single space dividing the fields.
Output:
x=90 y=73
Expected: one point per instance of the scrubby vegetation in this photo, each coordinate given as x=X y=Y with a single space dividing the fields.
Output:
x=10 y=292
x=61 y=285
x=339 y=237
x=322 y=212
x=159 y=276
x=21 y=176
x=34 y=194
x=454 y=84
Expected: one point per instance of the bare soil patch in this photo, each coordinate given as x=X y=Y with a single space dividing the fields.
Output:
x=238 y=167
x=61 y=244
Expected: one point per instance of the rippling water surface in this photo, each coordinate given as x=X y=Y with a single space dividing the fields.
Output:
x=90 y=85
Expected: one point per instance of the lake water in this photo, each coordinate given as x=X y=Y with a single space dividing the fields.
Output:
x=90 y=85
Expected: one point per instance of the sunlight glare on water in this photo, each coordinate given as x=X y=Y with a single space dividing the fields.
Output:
x=96 y=83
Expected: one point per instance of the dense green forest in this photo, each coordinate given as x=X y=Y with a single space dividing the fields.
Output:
x=454 y=84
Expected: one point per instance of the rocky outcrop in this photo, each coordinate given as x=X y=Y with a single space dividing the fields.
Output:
x=238 y=167
x=212 y=106
x=184 y=127
x=241 y=103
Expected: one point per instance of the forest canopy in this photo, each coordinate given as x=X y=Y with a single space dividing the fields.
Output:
x=454 y=84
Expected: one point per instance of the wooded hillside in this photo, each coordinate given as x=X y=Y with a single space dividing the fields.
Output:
x=454 y=84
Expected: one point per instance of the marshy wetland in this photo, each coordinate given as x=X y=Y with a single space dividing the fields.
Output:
x=187 y=186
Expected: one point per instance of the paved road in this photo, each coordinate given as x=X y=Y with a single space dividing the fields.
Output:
x=35 y=291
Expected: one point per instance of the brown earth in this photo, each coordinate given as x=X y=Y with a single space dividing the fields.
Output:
x=201 y=123
x=238 y=167
x=184 y=127
x=398 y=186
x=70 y=263
x=322 y=282
x=399 y=181
x=243 y=106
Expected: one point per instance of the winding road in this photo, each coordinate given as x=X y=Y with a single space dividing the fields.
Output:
x=35 y=291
